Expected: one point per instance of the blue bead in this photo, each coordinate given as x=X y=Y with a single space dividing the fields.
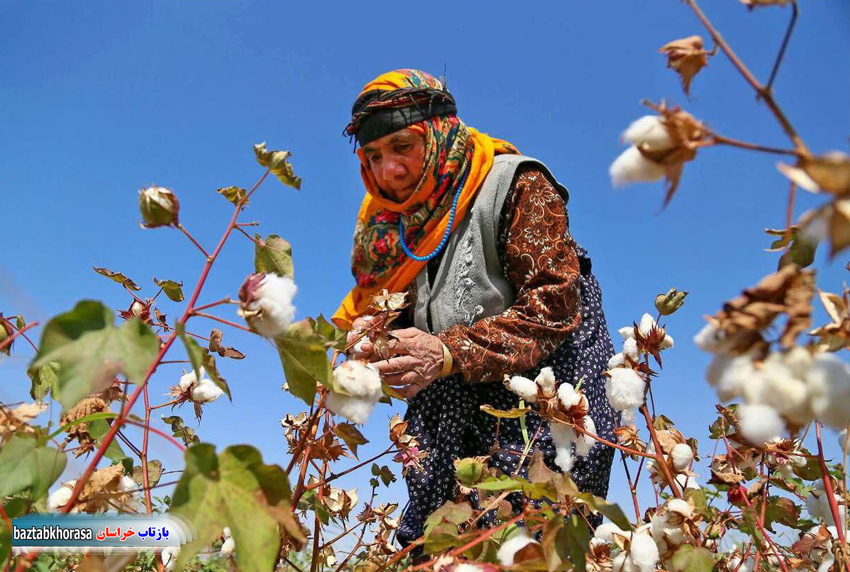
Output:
x=445 y=236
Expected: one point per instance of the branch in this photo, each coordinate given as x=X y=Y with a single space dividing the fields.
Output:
x=785 y=41
x=223 y=321
x=750 y=78
x=192 y=238
x=8 y=341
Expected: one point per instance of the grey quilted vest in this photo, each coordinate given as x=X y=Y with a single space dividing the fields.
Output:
x=470 y=284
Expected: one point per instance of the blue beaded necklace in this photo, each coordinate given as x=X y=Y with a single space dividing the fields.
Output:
x=448 y=228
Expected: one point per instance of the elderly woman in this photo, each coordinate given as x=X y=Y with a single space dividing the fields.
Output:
x=478 y=235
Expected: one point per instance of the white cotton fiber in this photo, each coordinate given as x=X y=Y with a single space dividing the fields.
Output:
x=568 y=396
x=363 y=383
x=649 y=132
x=624 y=389
x=828 y=381
x=682 y=456
x=524 y=387
x=632 y=167
x=584 y=443
x=616 y=360
x=546 y=380
x=630 y=350
x=643 y=552
x=760 y=423
x=511 y=546
x=564 y=458
x=606 y=530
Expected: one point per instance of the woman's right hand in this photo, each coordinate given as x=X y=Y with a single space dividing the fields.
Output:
x=357 y=328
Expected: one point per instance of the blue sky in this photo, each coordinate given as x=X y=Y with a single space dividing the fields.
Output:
x=99 y=99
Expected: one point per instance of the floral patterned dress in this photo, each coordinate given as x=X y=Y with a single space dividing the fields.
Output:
x=556 y=320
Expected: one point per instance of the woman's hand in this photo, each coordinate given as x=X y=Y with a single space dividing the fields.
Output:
x=418 y=361
x=357 y=351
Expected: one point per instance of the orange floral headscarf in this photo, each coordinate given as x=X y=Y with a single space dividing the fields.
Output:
x=452 y=151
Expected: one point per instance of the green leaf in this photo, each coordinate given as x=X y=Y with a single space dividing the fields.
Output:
x=90 y=350
x=235 y=489
x=576 y=536
x=98 y=430
x=454 y=513
x=85 y=419
x=781 y=510
x=334 y=337
x=384 y=473
x=351 y=435
x=689 y=558
x=178 y=429
x=117 y=277
x=503 y=483
x=505 y=414
x=172 y=289
x=232 y=194
x=26 y=465
x=276 y=162
x=273 y=255
x=43 y=380
x=800 y=252
x=305 y=360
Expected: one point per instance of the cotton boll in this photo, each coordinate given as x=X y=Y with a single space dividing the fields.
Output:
x=646 y=324
x=363 y=383
x=784 y=391
x=228 y=546
x=666 y=343
x=617 y=360
x=511 y=546
x=643 y=552
x=190 y=379
x=624 y=389
x=564 y=458
x=607 y=530
x=59 y=498
x=685 y=481
x=760 y=423
x=267 y=303
x=735 y=376
x=523 y=387
x=709 y=338
x=562 y=435
x=629 y=416
x=682 y=456
x=828 y=381
x=466 y=567
x=584 y=443
x=680 y=507
x=627 y=332
x=798 y=360
x=205 y=391
x=630 y=350
x=649 y=132
x=546 y=380
x=632 y=167
x=747 y=566
x=623 y=563
x=568 y=396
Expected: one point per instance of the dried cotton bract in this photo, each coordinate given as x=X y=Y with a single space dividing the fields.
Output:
x=362 y=384
x=267 y=303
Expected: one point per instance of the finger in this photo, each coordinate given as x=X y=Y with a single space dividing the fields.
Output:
x=406 y=333
x=403 y=379
x=402 y=364
x=411 y=390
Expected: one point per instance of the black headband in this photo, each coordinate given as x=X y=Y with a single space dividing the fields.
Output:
x=380 y=112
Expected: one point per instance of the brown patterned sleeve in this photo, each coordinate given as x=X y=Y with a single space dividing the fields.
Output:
x=539 y=259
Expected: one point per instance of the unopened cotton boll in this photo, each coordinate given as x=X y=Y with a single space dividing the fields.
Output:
x=564 y=458
x=607 y=530
x=760 y=423
x=630 y=350
x=584 y=442
x=828 y=382
x=511 y=546
x=363 y=384
x=267 y=303
x=632 y=167
x=524 y=387
x=643 y=552
x=624 y=389
x=546 y=380
x=649 y=132
x=682 y=456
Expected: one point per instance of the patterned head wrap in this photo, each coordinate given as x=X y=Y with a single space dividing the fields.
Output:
x=415 y=100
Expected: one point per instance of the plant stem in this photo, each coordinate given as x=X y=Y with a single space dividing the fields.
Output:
x=144 y=456
x=166 y=404
x=335 y=476
x=827 y=485
x=785 y=41
x=659 y=454
x=721 y=140
x=8 y=341
x=748 y=76
x=23 y=335
x=223 y=321
x=192 y=238
x=225 y=300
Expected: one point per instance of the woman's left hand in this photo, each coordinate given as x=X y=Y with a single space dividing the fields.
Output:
x=418 y=362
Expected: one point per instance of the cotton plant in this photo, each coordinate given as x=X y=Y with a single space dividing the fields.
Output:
x=567 y=410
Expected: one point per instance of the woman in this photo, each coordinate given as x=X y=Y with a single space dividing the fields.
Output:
x=478 y=235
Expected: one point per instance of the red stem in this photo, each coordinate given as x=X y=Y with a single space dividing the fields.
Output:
x=8 y=341
x=827 y=485
x=223 y=321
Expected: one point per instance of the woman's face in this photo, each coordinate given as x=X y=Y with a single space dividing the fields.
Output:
x=396 y=161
